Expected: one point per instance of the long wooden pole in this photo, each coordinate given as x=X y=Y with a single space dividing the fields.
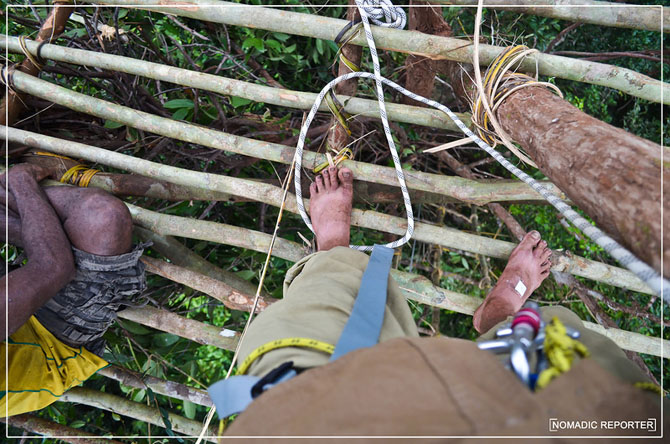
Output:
x=271 y=195
x=414 y=287
x=49 y=429
x=617 y=15
x=311 y=25
x=231 y=87
x=465 y=190
x=121 y=406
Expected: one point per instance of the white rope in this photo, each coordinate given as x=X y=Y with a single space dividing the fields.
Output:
x=373 y=10
x=652 y=278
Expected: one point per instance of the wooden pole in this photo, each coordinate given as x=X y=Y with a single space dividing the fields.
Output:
x=50 y=429
x=135 y=410
x=617 y=15
x=169 y=322
x=310 y=25
x=231 y=87
x=168 y=388
x=271 y=195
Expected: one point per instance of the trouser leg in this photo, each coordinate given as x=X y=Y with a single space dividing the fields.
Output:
x=319 y=293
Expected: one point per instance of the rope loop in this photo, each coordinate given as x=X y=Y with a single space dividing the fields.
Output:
x=383 y=13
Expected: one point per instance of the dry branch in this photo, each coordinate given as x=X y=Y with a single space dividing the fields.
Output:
x=169 y=322
x=46 y=428
x=311 y=25
x=178 y=254
x=222 y=85
x=647 y=17
x=219 y=290
x=168 y=388
x=272 y=195
x=133 y=410
x=465 y=190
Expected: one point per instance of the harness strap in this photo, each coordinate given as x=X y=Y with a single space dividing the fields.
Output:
x=233 y=395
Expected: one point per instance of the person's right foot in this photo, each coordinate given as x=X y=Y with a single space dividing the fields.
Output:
x=331 y=195
x=529 y=262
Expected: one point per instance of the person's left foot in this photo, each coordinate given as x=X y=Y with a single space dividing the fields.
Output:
x=331 y=195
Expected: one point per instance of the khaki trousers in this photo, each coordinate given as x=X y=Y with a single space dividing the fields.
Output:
x=319 y=293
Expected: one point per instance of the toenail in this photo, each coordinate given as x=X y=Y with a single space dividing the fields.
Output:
x=535 y=234
x=346 y=174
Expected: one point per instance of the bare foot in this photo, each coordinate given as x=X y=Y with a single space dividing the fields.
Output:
x=528 y=263
x=330 y=207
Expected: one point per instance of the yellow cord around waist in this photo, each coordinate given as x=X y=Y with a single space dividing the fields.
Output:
x=283 y=343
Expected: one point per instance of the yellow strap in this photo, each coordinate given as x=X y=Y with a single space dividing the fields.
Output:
x=650 y=386
x=44 y=153
x=560 y=350
x=283 y=343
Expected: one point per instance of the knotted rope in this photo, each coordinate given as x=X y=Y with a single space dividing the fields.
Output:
x=370 y=10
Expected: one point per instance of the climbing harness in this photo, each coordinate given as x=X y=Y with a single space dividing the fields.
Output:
x=362 y=329
x=527 y=335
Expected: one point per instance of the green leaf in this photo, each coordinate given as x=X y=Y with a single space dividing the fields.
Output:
x=253 y=42
x=110 y=124
x=180 y=114
x=77 y=424
x=281 y=36
x=319 y=46
x=239 y=101
x=247 y=275
x=139 y=395
x=134 y=327
x=179 y=103
x=189 y=409
x=165 y=339
x=273 y=44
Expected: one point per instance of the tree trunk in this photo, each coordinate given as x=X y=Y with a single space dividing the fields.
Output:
x=41 y=426
x=614 y=176
x=420 y=70
x=337 y=135
x=12 y=106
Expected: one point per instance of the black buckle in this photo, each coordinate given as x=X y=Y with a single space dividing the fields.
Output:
x=270 y=378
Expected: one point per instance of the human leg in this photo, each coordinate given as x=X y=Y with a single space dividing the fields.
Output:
x=319 y=290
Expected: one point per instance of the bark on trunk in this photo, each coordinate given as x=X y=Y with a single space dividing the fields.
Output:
x=420 y=70
x=614 y=176
x=12 y=105
x=338 y=136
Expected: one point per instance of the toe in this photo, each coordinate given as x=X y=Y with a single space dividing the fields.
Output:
x=326 y=180
x=346 y=178
x=530 y=240
x=320 y=186
x=312 y=190
x=332 y=177
x=546 y=254
x=539 y=248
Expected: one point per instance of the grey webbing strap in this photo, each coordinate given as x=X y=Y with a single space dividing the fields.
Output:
x=233 y=395
x=365 y=322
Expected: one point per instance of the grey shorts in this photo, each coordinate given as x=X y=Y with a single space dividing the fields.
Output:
x=84 y=309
